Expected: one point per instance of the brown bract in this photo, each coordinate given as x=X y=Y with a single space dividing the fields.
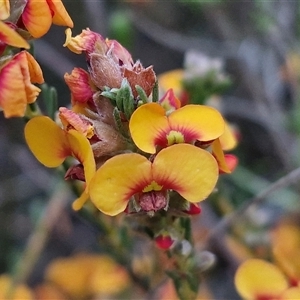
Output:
x=138 y=75
x=105 y=71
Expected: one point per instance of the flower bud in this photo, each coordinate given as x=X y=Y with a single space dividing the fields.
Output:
x=81 y=85
x=164 y=241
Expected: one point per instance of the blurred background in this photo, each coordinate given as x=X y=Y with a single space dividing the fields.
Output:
x=256 y=45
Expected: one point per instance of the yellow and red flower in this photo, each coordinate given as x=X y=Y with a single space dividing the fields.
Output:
x=151 y=128
x=16 y=77
x=191 y=171
x=257 y=279
x=51 y=145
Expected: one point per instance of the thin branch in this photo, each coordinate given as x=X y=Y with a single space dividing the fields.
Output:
x=285 y=181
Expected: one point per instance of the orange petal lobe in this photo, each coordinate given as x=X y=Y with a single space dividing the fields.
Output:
x=199 y=122
x=10 y=37
x=47 y=141
x=117 y=180
x=80 y=201
x=148 y=124
x=82 y=150
x=37 y=17
x=35 y=71
x=228 y=139
x=60 y=14
x=220 y=157
x=191 y=171
x=257 y=278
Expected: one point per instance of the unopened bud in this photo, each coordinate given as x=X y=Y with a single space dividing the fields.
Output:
x=164 y=241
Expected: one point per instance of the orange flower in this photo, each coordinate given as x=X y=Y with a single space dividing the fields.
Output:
x=81 y=86
x=98 y=274
x=150 y=127
x=17 y=90
x=38 y=16
x=191 y=171
x=257 y=279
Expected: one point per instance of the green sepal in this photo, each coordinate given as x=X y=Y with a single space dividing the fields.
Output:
x=119 y=124
x=125 y=99
x=142 y=94
x=155 y=93
x=50 y=100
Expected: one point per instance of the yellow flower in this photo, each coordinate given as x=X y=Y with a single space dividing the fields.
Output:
x=20 y=292
x=38 y=16
x=17 y=90
x=191 y=171
x=51 y=145
x=150 y=127
x=257 y=279
x=86 y=275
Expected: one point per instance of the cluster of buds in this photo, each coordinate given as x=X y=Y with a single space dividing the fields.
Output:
x=137 y=152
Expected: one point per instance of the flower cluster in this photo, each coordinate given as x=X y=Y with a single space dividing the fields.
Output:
x=20 y=71
x=134 y=149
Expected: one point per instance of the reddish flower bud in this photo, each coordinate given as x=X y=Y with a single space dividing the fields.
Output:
x=231 y=162
x=80 y=84
x=194 y=209
x=163 y=241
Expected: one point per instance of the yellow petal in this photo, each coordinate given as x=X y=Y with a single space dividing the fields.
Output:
x=171 y=80
x=199 y=122
x=82 y=150
x=47 y=141
x=228 y=139
x=147 y=125
x=285 y=246
x=256 y=277
x=4 y=10
x=60 y=15
x=117 y=180
x=191 y=171
x=37 y=17
x=80 y=201
x=11 y=37
x=292 y=293
x=219 y=156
